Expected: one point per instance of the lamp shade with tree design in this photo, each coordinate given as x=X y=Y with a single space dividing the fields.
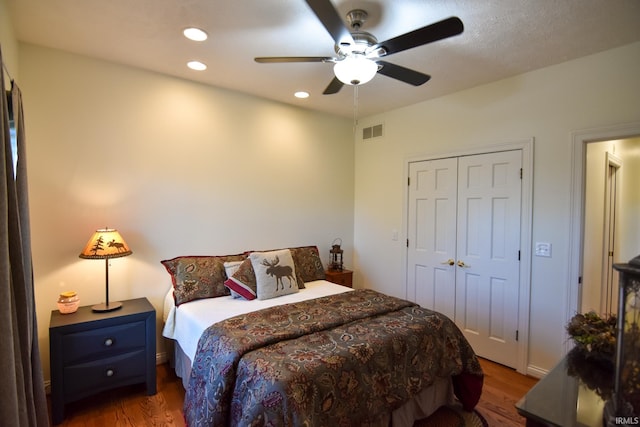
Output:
x=105 y=244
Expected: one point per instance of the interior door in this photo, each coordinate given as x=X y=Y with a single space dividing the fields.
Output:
x=463 y=246
x=432 y=231
x=488 y=252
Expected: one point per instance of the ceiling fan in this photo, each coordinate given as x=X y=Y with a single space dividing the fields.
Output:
x=359 y=53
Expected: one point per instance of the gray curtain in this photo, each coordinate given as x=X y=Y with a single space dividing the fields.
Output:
x=22 y=397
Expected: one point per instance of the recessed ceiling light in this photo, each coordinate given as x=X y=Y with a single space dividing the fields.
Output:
x=301 y=94
x=196 y=65
x=195 y=34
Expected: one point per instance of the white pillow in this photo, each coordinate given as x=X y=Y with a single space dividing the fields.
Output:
x=231 y=267
x=275 y=273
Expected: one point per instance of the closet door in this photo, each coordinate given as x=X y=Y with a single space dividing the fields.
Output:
x=432 y=234
x=487 y=251
x=463 y=246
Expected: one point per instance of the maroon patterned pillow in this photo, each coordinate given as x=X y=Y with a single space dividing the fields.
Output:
x=197 y=277
x=308 y=263
x=243 y=281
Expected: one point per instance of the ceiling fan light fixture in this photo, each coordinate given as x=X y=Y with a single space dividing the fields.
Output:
x=355 y=70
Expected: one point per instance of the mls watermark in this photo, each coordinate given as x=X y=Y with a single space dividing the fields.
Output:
x=627 y=421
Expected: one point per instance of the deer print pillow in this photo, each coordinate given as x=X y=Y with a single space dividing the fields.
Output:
x=275 y=273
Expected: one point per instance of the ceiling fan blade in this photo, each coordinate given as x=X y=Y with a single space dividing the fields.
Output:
x=329 y=17
x=278 y=59
x=334 y=87
x=431 y=33
x=403 y=74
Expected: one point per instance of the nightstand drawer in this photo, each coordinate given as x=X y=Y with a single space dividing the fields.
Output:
x=106 y=373
x=102 y=342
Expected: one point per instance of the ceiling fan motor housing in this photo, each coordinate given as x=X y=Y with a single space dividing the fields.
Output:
x=362 y=42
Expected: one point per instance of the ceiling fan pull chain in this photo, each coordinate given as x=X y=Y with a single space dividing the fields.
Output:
x=355 y=108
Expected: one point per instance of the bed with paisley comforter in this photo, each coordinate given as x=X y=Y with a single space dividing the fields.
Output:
x=319 y=354
x=343 y=360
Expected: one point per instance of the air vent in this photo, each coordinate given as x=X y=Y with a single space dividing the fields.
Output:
x=375 y=131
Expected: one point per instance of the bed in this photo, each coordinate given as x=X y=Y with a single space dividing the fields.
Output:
x=317 y=354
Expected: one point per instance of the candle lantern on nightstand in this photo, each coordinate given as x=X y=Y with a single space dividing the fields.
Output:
x=336 y=255
x=627 y=373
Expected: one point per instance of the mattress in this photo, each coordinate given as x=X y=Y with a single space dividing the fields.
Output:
x=185 y=323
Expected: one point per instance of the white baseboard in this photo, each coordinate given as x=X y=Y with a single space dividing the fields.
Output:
x=536 y=371
x=161 y=358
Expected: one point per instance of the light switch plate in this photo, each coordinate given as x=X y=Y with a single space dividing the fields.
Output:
x=543 y=249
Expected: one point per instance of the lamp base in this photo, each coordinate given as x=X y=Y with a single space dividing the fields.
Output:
x=104 y=307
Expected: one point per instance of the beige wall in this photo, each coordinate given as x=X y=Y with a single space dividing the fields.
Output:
x=178 y=168
x=548 y=105
x=629 y=150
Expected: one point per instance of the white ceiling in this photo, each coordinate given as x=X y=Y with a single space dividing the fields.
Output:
x=502 y=38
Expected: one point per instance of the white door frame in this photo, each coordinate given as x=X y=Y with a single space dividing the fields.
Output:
x=526 y=146
x=580 y=140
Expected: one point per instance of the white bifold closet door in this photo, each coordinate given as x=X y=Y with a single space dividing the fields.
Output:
x=464 y=246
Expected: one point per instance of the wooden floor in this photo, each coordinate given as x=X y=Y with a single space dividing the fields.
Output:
x=502 y=388
x=131 y=407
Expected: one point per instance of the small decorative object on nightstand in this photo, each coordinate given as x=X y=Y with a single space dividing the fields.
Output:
x=92 y=352
x=342 y=277
x=68 y=302
x=336 y=255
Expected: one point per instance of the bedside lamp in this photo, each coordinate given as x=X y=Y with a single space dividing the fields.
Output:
x=105 y=244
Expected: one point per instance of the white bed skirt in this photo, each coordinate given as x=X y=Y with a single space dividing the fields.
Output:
x=440 y=393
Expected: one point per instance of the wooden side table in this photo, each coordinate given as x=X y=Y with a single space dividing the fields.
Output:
x=91 y=352
x=341 y=277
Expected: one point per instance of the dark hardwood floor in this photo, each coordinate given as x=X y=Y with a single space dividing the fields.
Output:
x=502 y=388
x=131 y=407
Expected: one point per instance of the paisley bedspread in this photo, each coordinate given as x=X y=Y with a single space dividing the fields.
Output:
x=340 y=360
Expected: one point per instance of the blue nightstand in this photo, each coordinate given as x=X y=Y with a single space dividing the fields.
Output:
x=91 y=352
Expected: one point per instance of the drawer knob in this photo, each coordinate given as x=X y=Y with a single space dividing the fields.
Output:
x=110 y=372
x=108 y=342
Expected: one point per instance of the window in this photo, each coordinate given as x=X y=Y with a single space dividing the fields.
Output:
x=12 y=134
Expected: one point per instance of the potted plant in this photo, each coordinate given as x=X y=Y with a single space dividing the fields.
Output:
x=594 y=336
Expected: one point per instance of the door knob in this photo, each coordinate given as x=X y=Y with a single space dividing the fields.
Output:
x=462 y=264
x=449 y=261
